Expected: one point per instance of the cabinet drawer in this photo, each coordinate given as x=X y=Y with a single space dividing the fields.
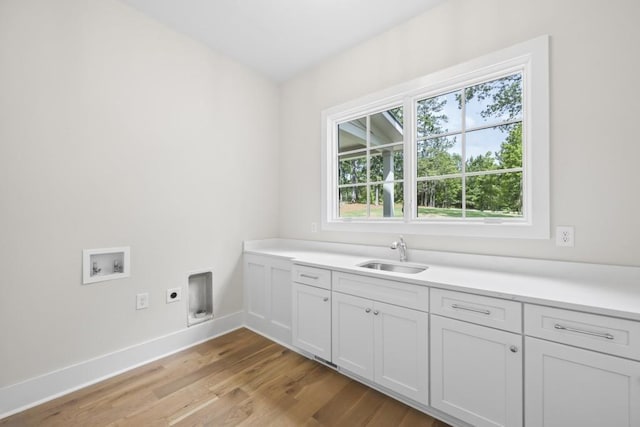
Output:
x=312 y=276
x=494 y=312
x=601 y=333
x=389 y=291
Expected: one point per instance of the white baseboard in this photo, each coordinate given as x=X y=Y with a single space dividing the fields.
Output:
x=18 y=397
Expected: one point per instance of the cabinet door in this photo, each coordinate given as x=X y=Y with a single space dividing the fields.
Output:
x=267 y=296
x=352 y=337
x=401 y=350
x=279 y=282
x=255 y=291
x=312 y=320
x=567 y=386
x=476 y=373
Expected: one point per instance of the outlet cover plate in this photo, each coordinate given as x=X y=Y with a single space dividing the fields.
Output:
x=174 y=295
x=565 y=236
x=142 y=301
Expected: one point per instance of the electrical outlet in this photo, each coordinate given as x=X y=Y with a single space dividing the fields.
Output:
x=174 y=295
x=142 y=301
x=564 y=236
x=314 y=227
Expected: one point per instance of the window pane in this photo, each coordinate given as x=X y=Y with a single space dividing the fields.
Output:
x=387 y=200
x=440 y=198
x=499 y=147
x=352 y=135
x=494 y=101
x=439 y=156
x=387 y=164
x=352 y=170
x=439 y=114
x=353 y=202
x=494 y=196
x=386 y=127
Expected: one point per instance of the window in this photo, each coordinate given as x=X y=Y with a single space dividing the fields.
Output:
x=469 y=151
x=463 y=151
x=370 y=166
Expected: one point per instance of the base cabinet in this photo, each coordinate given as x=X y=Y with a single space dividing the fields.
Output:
x=568 y=386
x=473 y=359
x=476 y=373
x=311 y=329
x=267 y=296
x=383 y=343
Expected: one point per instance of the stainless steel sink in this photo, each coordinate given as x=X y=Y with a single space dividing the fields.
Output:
x=393 y=267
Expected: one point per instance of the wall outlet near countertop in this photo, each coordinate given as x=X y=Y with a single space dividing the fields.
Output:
x=564 y=235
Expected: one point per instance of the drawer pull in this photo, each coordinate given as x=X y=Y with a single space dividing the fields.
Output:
x=376 y=312
x=475 y=310
x=325 y=299
x=580 y=331
x=308 y=276
x=367 y=310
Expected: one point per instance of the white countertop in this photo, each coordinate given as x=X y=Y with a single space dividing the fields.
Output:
x=595 y=288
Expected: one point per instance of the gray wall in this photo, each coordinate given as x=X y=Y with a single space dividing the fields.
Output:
x=594 y=109
x=116 y=131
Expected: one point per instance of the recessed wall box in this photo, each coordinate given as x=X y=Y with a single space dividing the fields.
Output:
x=200 y=296
x=105 y=264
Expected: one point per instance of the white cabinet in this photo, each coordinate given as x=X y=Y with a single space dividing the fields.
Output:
x=382 y=343
x=267 y=295
x=352 y=343
x=311 y=329
x=401 y=359
x=567 y=386
x=493 y=361
x=476 y=358
x=476 y=373
x=311 y=323
x=582 y=387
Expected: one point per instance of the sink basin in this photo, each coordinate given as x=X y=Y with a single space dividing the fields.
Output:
x=394 y=267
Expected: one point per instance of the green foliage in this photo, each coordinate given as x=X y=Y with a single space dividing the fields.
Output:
x=439 y=156
x=429 y=116
x=440 y=191
x=505 y=95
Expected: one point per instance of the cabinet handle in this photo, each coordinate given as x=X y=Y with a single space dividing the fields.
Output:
x=308 y=276
x=475 y=310
x=367 y=310
x=325 y=299
x=581 y=331
x=376 y=312
x=513 y=349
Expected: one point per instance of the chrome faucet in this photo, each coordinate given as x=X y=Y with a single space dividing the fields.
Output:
x=402 y=247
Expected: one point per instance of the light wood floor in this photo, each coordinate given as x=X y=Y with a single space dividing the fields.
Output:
x=238 y=379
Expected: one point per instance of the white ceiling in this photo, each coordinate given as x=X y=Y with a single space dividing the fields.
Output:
x=280 y=38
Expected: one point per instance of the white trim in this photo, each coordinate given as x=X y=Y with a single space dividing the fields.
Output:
x=34 y=391
x=532 y=59
x=191 y=319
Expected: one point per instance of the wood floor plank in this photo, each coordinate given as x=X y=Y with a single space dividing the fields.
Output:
x=390 y=413
x=239 y=379
x=364 y=409
x=341 y=402
x=219 y=365
x=314 y=394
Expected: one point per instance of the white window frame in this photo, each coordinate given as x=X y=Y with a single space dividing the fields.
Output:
x=532 y=59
